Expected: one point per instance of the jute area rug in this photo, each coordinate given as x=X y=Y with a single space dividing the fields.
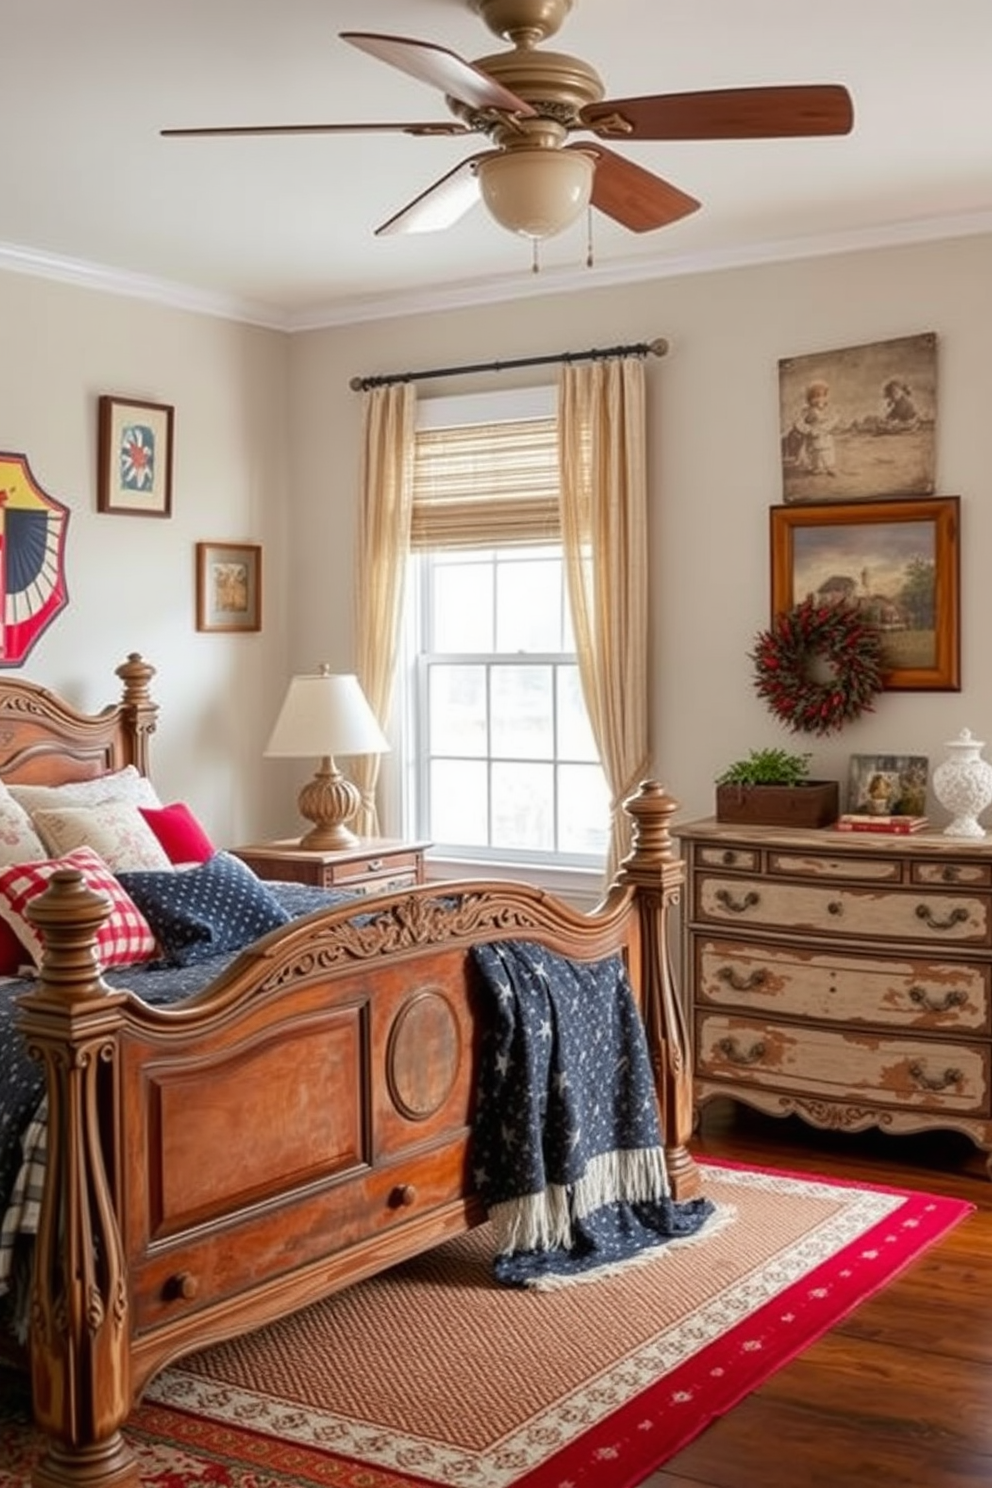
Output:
x=431 y=1375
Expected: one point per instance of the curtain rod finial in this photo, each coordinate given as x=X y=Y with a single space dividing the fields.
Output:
x=658 y=347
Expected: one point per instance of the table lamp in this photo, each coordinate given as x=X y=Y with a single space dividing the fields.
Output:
x=323 y=715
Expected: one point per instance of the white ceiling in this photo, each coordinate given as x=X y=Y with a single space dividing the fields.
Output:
x=281 y=229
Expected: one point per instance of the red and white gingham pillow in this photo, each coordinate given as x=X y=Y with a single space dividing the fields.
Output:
x=126 y=938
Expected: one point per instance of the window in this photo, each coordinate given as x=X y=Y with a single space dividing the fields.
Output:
x=503 y=763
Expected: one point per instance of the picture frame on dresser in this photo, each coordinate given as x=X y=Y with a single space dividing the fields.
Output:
x=134 y=457
x=228 y=586
x=898 y=562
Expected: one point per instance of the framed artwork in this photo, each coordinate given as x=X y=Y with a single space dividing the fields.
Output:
x=859 y=423
x=897 y=562
x=228 y=586
x=888 y=784
x=134 y=457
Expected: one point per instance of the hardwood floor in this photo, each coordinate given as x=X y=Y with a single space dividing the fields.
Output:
x=900 y=1392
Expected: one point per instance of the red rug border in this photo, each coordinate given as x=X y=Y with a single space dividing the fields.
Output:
x=635 y=1452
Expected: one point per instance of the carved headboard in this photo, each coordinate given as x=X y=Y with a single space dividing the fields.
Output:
x=45 y=741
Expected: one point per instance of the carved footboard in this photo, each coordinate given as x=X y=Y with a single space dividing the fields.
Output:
x=302 y=1123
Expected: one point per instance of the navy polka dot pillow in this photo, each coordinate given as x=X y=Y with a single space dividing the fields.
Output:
x=220 y=905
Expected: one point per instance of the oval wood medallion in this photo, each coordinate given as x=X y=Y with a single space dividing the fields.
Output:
x=423 y=1055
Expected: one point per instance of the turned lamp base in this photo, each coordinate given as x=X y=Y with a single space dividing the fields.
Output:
x=329 y=800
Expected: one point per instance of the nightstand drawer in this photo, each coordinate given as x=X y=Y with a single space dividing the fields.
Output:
x=405 y=867
x=377 y=865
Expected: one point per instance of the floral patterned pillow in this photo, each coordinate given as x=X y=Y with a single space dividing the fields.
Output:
x=115 y=829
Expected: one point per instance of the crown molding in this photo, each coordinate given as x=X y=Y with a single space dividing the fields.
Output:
x=474 y=293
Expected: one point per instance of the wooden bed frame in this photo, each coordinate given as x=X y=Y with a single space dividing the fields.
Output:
x=181 y=1206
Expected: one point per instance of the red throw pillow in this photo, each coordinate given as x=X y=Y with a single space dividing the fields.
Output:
x=179 y=832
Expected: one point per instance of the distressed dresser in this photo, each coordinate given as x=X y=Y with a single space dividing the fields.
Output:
x=841 y=977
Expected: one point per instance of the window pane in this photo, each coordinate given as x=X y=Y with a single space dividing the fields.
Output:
x=522 y=713
x=457 y=705
x=523 y=807
x=459 y=803
x=583 y=809
x=528 y=605
x=575 y=740
x=462 y=609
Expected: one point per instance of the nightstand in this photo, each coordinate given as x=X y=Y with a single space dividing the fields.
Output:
x=378 y=865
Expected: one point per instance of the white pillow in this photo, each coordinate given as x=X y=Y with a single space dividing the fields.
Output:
x=115 y=830
x=120 y=785
x=19 y=842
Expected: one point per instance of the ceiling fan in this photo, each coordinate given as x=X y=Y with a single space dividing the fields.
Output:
x=528 y=101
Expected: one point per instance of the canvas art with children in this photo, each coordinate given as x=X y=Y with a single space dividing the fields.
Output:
x=859 y=422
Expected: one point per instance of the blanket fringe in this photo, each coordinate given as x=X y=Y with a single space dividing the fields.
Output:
x=543 y=1221
x=551 y=1281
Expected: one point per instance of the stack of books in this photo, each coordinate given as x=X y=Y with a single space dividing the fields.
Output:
x=853 y=821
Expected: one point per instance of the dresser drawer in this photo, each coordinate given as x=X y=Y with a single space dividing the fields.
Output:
x=724 y=856
x=921 y=1074
x=813 y=866
x=907 y=914
x=969 y=875
x=849 y=988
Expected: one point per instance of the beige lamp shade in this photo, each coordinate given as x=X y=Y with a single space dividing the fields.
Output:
x=322 y=715
x=536 y=192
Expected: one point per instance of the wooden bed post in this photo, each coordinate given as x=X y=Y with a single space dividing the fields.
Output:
x=138 y=706
x=80 y=1344
x=653 y=868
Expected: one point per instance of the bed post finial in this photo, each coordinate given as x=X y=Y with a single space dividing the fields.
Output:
x=139 y=708
x=80 y=1334
x=653 y=868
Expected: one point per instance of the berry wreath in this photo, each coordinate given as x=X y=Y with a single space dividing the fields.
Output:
x=785 y=654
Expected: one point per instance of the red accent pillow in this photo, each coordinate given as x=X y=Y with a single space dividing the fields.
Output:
x=125 y=938
x=179 y=832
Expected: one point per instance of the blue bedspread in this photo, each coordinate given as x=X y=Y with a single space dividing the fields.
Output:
x=567 y=1144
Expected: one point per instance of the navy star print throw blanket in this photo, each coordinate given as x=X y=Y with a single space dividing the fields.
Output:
x=567 y=1148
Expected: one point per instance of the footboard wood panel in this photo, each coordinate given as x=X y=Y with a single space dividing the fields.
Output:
x=303 y=1122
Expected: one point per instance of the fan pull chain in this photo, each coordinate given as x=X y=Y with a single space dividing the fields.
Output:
x=535 y=266
x=589 y=253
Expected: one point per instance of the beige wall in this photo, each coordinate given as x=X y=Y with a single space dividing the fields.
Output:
x=267 y=450
x=131 y=579
x=714 y=470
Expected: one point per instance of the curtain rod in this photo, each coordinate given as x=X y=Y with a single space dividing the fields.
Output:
x=658 y=348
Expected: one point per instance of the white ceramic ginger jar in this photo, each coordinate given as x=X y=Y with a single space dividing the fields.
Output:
x=962 y=784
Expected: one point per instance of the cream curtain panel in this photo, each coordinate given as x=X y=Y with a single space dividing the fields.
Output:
x=388 y=424
x=602 y=451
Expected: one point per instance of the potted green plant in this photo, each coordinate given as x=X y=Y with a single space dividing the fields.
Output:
x=772 y=788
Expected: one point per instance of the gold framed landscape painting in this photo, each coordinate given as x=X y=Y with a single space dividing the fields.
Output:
x=859 y=423
x=896 y=562
x=228 y=586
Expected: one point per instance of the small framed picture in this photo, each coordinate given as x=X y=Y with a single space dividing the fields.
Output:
x=228 y=586
x=134 y=457
x=888 y=784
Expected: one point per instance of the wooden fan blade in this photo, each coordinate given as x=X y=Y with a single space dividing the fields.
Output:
x=442 y=204
x=633 y=196
x=725 y=113
x=441 y=127
x=440 y=68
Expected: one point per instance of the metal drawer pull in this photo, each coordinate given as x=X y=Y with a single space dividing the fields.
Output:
x=742 y=984
x=950 y=872
x=941 y=1082
x=730 y=1049
x=925 y=913
x=933 y=1004
x=835 y=907
x=729 y=856
x=737 y=906
x=373 y=865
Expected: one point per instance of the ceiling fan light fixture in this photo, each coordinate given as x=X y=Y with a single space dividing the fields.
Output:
x=536 y=192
